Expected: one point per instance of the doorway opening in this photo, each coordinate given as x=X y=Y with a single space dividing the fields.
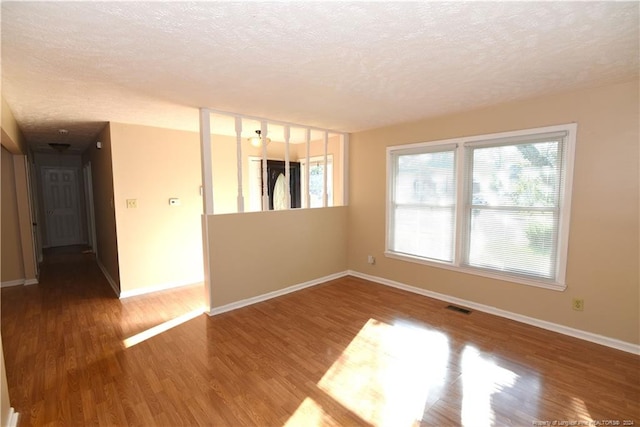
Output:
x=276 y=179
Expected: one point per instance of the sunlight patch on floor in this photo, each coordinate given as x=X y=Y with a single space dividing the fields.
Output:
x=310 y=414
x=481 y=378
x=385 y=374
x=580 y=411
x=152 y=332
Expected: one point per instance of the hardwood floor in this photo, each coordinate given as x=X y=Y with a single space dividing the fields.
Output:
x=349 y=352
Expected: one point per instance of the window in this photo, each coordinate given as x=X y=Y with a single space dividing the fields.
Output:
x=316 y=181
x=494 y=205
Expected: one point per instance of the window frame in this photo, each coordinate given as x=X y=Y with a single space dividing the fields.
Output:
x=463 y=172
x=330 y=183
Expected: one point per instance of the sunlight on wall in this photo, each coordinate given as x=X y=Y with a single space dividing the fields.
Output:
x=385 y=374
x=481 y=378
x=152 y=332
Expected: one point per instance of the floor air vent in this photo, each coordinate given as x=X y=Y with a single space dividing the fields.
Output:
x=458 y=309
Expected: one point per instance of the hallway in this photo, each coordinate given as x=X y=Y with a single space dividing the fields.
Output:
x=63 y=340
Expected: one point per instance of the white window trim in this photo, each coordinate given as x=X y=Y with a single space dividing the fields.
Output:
x=303 y=178
x=557 y=284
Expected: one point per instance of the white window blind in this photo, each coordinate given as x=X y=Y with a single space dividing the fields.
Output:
x=513 y=207
x=495 y=205
x=424 y=193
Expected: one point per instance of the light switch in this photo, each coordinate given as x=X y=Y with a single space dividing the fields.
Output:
x=132 y=203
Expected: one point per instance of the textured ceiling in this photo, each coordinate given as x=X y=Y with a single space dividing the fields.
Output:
x=346 y=66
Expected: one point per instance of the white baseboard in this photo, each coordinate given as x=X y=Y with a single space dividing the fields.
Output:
x=18 y=282
x=155 y=288
x=12 y=419
x=576 y=333
x=10 y=283
x=112 y=282
x=274 y=294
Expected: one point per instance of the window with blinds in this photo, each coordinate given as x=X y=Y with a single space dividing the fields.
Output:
x=495 y=205
x=423 y=203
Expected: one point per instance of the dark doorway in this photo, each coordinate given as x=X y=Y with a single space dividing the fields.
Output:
x=275 y=171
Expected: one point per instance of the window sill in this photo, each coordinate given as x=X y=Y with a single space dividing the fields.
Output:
x=479 y=272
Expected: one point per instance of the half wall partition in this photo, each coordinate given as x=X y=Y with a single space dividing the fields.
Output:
x=253 y=167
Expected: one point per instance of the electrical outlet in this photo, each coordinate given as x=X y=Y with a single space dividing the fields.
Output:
x=132 y=203
x=371 y=259
x=577 y=304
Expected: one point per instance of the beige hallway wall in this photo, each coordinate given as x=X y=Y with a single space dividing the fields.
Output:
x=25 y=218
x=11 y=257
x=104 y=212
x=18 y=258
x=603 y=265
x=159 y=245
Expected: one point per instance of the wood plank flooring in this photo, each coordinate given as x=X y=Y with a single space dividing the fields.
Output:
x=348 y=352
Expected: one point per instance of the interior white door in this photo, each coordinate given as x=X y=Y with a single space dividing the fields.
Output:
x=60 y=188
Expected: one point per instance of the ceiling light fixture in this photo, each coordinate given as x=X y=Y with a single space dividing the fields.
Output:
x=59 y=147
x=256 y=141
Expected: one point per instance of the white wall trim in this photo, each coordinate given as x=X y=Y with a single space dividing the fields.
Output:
x=12 y=419
x=274 y=294
x=19 y=282
x=112 y=282
x=565 y=330
x=155 y=288
x=10 y=283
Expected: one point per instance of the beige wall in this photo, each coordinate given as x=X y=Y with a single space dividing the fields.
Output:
x=158 y=245
x=18 y=259
x=603 y=265
x=11 y=257
x=25 y=218
x=104 y=212
x=255 y=253
x=18 y=254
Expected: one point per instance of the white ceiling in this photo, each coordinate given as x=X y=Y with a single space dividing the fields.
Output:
x=347 y=66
